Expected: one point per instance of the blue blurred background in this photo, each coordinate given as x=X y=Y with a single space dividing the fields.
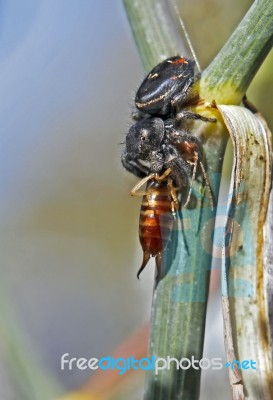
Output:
x=69 y=246
x=68 y=70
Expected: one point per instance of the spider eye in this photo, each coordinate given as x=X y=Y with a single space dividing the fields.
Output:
x=144 y=135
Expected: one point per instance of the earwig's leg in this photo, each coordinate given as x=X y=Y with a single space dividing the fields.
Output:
x=146 y=258
x=164 y=175
x=196 y=158
x=158 y=262
x=170 y=186
x=212 y=203
x=183 y=230
x=173 y=190
x=134 y=191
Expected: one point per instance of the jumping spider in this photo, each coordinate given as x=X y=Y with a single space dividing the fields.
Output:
x=161 y=150
x=154 y=146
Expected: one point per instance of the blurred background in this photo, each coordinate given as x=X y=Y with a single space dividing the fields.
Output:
x=69 y=244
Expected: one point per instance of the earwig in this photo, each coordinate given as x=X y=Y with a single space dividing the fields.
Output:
x=157 y=214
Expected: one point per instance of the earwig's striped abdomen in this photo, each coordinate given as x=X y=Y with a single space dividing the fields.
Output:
x=156 y=219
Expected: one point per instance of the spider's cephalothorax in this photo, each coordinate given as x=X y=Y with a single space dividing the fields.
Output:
x=143 y=147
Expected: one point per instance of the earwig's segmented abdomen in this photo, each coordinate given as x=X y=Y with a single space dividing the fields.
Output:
x=156 y=219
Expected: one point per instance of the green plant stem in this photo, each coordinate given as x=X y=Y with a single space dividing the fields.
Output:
x=153 y=30
x=180 y=299
x=229 y=75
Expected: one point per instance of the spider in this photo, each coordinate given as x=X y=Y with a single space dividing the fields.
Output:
x=153 y=146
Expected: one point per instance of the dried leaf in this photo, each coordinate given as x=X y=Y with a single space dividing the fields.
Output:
x=245 y=308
